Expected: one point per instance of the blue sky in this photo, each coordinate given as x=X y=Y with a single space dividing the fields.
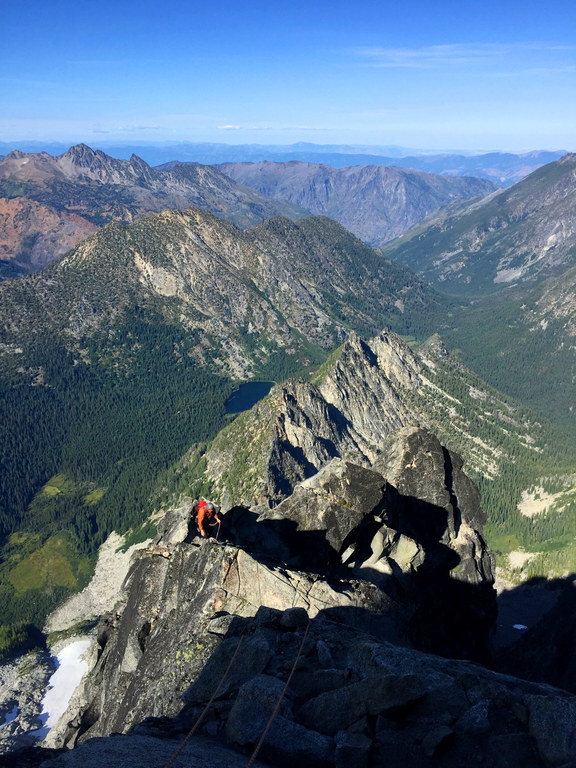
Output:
x=437 y=75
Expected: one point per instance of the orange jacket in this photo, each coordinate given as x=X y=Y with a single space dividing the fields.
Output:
x=204 y=516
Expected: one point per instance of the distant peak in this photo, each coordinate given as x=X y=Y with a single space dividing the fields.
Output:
x=137 y=162
x=80 y=153
x=435 y=346
x=80 y=149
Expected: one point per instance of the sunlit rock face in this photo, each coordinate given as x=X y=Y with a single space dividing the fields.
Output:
x=365 y=391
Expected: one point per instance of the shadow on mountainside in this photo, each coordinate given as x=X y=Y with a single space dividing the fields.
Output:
x=420 y=604
x=536 y=631
x=345 y=667
x=352 y=700
x=384 y=703
x=278 y=542
x=430 y=608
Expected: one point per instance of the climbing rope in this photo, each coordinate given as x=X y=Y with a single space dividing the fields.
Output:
x=277 y=706
x=204 y=712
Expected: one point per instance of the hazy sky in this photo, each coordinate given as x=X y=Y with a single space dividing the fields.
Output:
x=419 y=73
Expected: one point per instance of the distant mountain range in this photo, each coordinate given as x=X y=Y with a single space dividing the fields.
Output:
x=375 y=203
x=52 y=203
x=503 y=168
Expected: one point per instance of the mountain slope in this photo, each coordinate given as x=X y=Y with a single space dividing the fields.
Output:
x=375 y=203
x=96 y=189
x=32 y=235
x=523 y=234
x=379 y=563
x=248 y=295
x=118 y=357
x=522 y=340
x=362 y=393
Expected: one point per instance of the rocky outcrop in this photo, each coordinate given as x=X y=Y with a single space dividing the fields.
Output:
x=383 y=704
x=22 y=684
x=414 y=528
x=404 y=563
x=332 y=696
x=154 y=646
x=103 y=590
x=367 y=390
x=308 y=622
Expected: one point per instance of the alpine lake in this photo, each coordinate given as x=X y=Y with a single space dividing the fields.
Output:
x=247 y=395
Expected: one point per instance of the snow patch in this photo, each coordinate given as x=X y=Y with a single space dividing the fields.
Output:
x=70 y=668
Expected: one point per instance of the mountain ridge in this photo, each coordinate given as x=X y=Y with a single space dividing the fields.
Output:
x=366 y=390
x=99 y=189
x=369 y=590
x=521 y=234
x=190 y=260
x=502 y=168
x=375 y=203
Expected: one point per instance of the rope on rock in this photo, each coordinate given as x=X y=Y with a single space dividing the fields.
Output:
x=204 y=712
x=282 y=694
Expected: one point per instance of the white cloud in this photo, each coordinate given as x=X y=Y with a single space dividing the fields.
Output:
x=229 y=127
x=435 y=56
x=129 y=129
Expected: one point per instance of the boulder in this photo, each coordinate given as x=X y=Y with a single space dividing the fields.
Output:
x=352 y=749
x=326 y=511
x=286 y=742
x=336 y=710
x=253 y=707
x=176 y=525
x=437 y=739
x=552 y=724
x=475 y=720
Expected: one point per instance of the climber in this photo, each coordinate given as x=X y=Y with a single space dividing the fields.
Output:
x=207 y=516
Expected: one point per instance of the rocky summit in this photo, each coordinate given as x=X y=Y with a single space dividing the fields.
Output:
x=340 y=628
